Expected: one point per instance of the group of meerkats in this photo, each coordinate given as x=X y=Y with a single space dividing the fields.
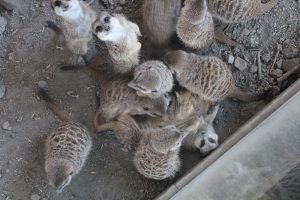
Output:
x=156 y=106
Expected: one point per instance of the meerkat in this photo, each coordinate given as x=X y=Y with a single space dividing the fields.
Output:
x=205 y=139
x=67 y=147
x=234 y=11
x=152 y=79
x=77 y=18
x=195 y=26
x=159 y=19
x=121 y=38
x=157 y=156
x=118 y=99
x=207 y=76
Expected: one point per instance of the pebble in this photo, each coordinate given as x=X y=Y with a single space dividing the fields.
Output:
x=42 y=84
x=277 y=73
x=253 y=69
x=271 y=80
x=122 y=2
x=289 y=64
x=278 y=64
x=230 y=59
x=254 y=41
x=266 y=57
x=240 y=64
x=35 y=197
x=6 y=126
x=3 y=24
x=2 y=89
x=290 y=52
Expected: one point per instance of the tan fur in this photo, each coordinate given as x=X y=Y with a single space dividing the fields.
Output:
x=77 y=30
x=207 y=76
x=121 y=38
x=195 y=25
x=152 y=79
x=160 y=18
x=67 y=147
x=232 y=11
x=157 y=156
x=118 y=99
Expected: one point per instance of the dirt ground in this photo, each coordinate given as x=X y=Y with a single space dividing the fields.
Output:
x=28 y=56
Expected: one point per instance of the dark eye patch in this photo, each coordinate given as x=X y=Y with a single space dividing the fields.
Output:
x=202 y=143
x=146 y=108
x=211 y=140
x=107 y=19
x=154 y=91
x=99 y=29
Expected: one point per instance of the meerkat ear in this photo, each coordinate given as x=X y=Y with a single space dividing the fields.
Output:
x=212 y=115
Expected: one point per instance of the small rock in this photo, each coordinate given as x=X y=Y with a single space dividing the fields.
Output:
x=254 y=41
x=42 y=84
x=290 y=52
x=118 y=8
x=240 y=64
x=230 y=59
x=266 y=57
x=275 y=91
x=3 y=24
x=6 y=126
x=35 y=197
x=271 y=80
x=289 y=64
x=278 y=64
x=279 y=47
x=2 y=89
x=253 y=69
x=122 y=2
x=277 y=73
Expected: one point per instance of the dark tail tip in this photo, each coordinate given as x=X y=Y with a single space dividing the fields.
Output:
x=42 y=93
x=53 y=26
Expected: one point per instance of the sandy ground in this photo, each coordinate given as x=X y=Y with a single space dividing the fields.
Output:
x=28 y=56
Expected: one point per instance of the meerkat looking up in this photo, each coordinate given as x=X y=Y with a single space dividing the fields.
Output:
x=67 y=147
x=205 y=139
x=121 y=38
x=152 y=79
x=159 y=19
x=207 y=76
x=77 y=18
x=234 y=11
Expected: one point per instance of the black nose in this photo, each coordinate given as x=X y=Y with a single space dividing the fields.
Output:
x=202 y=143
x=107 y=19
x=99 y=29
x=57 y=3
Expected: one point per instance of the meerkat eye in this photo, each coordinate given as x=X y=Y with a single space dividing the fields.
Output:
x=155 y=91
x=202 y=133
x=57 y=3
x=211 y=140
x=107 y=19
x=71 y=173
x=146 y=108
x=99 y=29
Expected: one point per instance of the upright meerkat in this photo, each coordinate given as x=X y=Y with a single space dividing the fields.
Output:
x=67 y=147
x=121 y=38
x=152 y=79
x=207 y=76
x=118 y=99
x=159 y=19
x=233 y=11
x=77 y=19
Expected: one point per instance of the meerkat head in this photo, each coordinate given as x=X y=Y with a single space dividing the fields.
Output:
x=155 y=107
x=59 y=173
x=167 y=139
x=108 y=28
x=206 y=137
x=176 y=60
x=148 y=81
x=65 y=8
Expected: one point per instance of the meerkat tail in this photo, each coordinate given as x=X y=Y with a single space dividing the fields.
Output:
x=265 y=7
x=221 y=37
x=54 y=27
x=239 y=95
x=42 y=93
x=110 y=126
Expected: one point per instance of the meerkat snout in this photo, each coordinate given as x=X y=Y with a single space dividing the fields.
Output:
x=65 y=7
